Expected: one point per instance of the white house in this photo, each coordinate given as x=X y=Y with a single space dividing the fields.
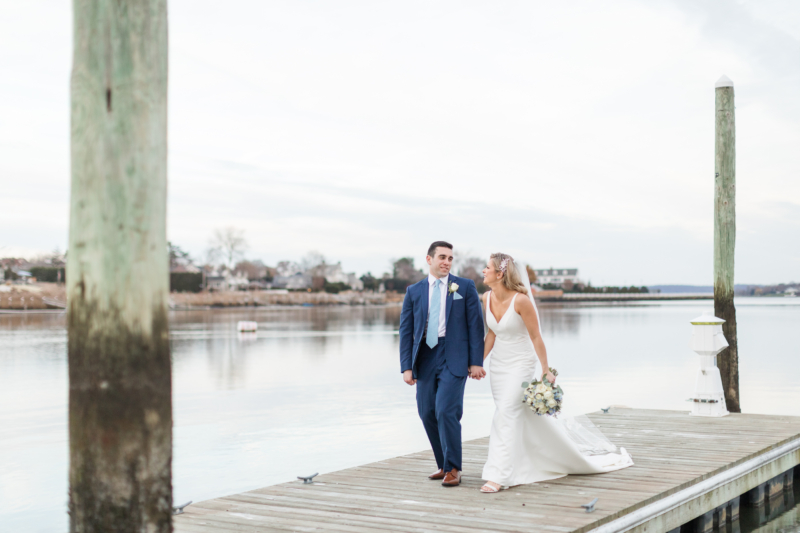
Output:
x=790 y=292
x=297 y=281
x=225 y=280
x=236 y=281
x=24 y=276
x=556 y=276
x=215 y=282
x=355 y=283
x=335 y=274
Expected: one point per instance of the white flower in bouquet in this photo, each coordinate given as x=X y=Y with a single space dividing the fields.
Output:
x=542 y=397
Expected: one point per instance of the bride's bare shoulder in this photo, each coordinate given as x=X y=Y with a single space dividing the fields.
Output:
x=522 y=304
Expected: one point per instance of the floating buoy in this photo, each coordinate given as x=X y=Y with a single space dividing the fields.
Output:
x=244 y=325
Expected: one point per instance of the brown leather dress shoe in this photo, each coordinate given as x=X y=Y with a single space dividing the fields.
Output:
x=439 y=474
x=452 y=479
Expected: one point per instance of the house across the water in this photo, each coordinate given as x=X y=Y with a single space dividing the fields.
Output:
x=556 y=276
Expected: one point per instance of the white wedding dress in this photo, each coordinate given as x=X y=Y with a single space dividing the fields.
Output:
x=525 y=447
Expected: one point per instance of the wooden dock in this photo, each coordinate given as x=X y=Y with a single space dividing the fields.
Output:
x=686 y=469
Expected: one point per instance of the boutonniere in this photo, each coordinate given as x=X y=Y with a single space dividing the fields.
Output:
x=453 y=287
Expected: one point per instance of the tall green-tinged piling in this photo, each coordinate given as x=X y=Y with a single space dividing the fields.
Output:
x=725 y=237
x=120 y=407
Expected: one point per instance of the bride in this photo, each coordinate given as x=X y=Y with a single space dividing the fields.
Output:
x=524 y=447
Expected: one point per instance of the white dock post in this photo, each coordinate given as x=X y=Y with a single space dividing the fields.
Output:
x=708 y=340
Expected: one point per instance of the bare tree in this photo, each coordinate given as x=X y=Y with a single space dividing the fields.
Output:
x=287 y=268
x=404 y=269
x=177 y=256
x=531 y=274
x=472 y=268
x=254 y=270
x=227 y=245
x=311 y=260
x=55 y=258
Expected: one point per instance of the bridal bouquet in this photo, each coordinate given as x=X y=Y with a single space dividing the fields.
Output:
x=542 y=397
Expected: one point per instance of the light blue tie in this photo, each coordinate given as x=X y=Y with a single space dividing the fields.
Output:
x=432 y=338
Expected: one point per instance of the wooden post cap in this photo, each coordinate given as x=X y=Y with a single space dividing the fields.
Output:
x=724 y=81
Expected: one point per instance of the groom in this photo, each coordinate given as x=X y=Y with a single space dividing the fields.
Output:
x=441 y=343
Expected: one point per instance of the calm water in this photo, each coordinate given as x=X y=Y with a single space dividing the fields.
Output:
x=319 y=389
x=780 y=514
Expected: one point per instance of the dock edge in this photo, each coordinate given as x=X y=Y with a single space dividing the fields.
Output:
x=659 y=508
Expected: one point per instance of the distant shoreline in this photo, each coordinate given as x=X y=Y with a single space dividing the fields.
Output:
x=626 y=297
x=51 y=296
x=212 y=300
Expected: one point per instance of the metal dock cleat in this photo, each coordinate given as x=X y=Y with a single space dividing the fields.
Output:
x=590 y=506
x=178 y=509
x=308 y=479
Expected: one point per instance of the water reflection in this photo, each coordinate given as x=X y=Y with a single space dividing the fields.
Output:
x=26 y=321
x=319 y=389
x=312 y=333
x=557 y=319
x=313 y=318
x=780 y=514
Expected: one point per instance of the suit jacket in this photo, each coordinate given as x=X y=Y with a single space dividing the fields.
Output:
x=463 y=344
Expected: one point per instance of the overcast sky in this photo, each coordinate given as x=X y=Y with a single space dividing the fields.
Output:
x=569 y=134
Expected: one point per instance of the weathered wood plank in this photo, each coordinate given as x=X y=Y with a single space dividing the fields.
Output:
x=571 y=499
x=399 y=517
x=672 y=451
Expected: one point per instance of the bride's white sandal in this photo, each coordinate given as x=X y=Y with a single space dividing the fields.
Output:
x=490 y=487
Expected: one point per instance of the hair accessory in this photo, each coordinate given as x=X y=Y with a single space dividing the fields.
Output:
x=504 y=265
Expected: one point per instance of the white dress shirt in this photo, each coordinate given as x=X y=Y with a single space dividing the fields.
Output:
x=443 y=299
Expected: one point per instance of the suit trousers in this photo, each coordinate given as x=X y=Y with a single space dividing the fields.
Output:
x=440 y=403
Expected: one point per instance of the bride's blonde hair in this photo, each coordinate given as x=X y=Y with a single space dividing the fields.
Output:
x=512 y=279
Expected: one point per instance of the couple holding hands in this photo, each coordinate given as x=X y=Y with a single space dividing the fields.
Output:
x=443 y=341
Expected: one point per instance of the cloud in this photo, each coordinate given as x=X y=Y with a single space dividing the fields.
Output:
x=580 y=133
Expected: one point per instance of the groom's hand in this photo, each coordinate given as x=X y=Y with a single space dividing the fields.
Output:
x=408 y=377
x=477 y=372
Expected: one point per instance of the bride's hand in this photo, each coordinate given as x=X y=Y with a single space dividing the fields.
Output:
x=550 y=377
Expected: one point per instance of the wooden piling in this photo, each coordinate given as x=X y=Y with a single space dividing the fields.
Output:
x=725 y=237
x=733 y=509
x=703 y=523
x=755 y=496
x=775 y=486
x=120 y=411
x=721 y=516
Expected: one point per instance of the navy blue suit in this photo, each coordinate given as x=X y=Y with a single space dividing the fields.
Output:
x=441 y=372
